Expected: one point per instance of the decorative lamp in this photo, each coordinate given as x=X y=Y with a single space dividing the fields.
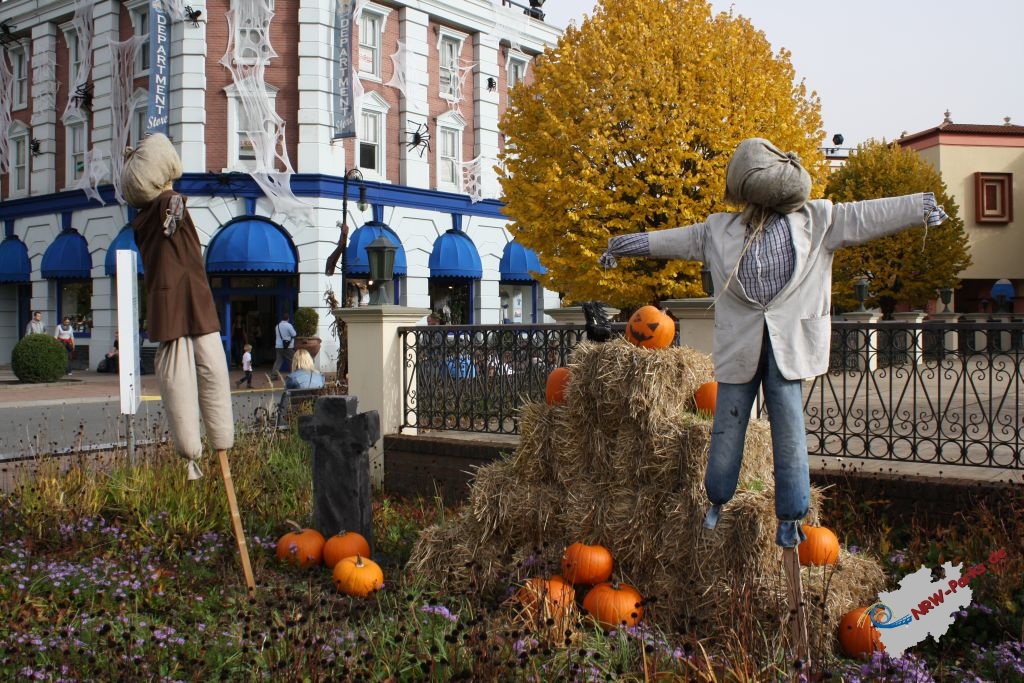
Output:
x=861 y=288
x=381 y=255
x=705 y=280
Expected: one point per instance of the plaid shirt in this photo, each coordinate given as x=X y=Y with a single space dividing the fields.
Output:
x=767 y=265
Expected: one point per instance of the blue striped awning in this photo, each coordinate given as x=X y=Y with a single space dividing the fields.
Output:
x=67 y=258
x=124 y=240
x=250 y=244
x=518 y=264
x=15 y=266
x=357 y=263
x=455 y=255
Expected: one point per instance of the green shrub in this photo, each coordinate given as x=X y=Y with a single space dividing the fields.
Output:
x=306 y=320
x=39 y=358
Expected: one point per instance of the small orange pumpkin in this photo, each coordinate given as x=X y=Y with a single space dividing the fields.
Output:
x=358 y=576
x=614 y=605
x=586 y=564
x=301 y=547
x=858 y=637
x=556 y=594
x=344 y=544
x=554 y=392
x=706 y=397
x=651 y=328
x=820 y=548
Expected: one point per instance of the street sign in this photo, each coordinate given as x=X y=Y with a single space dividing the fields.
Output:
x=128 y=331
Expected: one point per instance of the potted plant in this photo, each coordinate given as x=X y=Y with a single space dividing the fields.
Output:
x=306 y=320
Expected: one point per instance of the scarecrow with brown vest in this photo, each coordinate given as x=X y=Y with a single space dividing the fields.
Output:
x=771 y=264
x=191 y=367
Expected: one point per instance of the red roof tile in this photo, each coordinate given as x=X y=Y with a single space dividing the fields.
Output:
x=965 y=129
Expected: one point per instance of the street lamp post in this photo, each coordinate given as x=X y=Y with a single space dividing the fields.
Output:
x=339 y=255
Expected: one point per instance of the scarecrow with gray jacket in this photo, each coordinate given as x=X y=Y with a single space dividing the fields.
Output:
x=772 y=266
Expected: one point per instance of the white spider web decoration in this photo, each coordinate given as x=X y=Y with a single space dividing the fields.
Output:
x=473 y=178
x=464 y=72
x=505 y=28
x=175 y=8
x=44 y=81
x=82 y=24
x=6 y=100
x=248 y=52
x=122 y=62
x=399 y=59
x=97 y=169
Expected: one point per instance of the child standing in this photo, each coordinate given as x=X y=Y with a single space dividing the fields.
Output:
x=246 y=367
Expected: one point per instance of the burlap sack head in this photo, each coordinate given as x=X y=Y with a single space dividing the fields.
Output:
x=760 y=175
x=148 y=169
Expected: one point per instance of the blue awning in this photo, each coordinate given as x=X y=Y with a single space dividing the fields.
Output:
x=15 y=266
x=519 y=263
x=356 y=261
x=250 y=244
x=124 y=240
x=455 y=255
x=67 y=258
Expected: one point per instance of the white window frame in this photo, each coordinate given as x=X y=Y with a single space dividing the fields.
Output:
x=378 y=16
x=239 y=32
x=234 y=130
x=137 y=124
x=375 y=108
x=20 y=71
x=449 y=81
x=515 y=60
x=138 y=13
x=21 y=160
x=74 y=43
x=75 y=126
x=450 y=126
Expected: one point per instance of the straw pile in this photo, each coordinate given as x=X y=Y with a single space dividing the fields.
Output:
x=622 y=463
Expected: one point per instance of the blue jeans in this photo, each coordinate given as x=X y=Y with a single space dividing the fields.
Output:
x=784 y=401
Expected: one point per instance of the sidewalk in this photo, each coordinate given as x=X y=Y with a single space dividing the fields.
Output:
x=85 y=386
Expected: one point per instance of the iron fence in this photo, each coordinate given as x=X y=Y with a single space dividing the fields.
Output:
x=932 y=392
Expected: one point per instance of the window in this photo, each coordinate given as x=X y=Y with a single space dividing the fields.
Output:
x=516 y=71
x=993 y=197
x=74 y=301
x=75 y=146
x=139 y=13
x=369 y=44
x=19 y=161
x=449 y=151
x=19 y=69
x=241 y=151
x=137 y=127
x=74 y=55
x=252 y=42
x=372 y=128
x=449 y=47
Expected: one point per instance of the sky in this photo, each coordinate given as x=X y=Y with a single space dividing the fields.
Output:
x=882 y=67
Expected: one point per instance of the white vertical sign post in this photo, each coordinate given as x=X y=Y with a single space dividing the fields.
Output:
x=129 y=358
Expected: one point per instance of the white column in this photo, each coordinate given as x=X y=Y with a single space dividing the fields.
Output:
x=188 y=92
x=316 y=154
x=696 y=321
x=375 y=366
x=413 y=108
x=485 y=111
x=913 y=338
x=951 y=338
x=865 y=342
x=105 y=31
x=980 y=336
x=44 y=107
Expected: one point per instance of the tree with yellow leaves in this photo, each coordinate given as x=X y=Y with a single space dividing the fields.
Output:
x=628 y=125
x=909 y=266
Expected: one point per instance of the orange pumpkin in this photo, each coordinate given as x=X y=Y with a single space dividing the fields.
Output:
x=586 y=564
x=344 y=544
x=857 y=635
x=358 y=576
x=614 y=605
x=555 y=390
x=820 y=548
x=651 y=328
x=706 y=397
x=556 y=594
x=301 y=547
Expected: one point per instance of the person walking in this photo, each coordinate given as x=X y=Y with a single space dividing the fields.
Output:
x=284 y=336
x=35 y=325
x=65 y=334
x=246 y=367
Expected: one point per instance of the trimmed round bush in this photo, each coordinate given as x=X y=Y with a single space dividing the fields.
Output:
x=39 y=358
x=305 y=321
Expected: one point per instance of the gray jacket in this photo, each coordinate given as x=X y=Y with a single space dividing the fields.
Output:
x=798 y=318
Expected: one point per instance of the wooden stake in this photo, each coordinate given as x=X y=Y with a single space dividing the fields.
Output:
x=797 y=615
x=236 y=520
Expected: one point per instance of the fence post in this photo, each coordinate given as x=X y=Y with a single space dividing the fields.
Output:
x=866 y=340
x=375 y=367
x=979 y=343
x=696 y=321
x=951 y=339
x=913 y=336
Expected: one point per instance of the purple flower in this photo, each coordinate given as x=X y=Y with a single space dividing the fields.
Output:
x=440 y=610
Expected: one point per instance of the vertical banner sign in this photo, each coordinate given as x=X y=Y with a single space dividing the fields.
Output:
x=159 y=68
x=344 y=95
x=129 y=358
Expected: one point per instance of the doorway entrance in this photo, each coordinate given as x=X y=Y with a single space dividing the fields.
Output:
x=249 y=307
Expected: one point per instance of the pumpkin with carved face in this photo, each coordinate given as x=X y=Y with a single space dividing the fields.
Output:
x=651 y=328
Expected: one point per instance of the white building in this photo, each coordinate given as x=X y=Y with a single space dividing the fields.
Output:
x=251 y=94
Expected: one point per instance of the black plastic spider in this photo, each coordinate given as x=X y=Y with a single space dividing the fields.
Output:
x=193 y=15
x=419 y=138
x=83 y=96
